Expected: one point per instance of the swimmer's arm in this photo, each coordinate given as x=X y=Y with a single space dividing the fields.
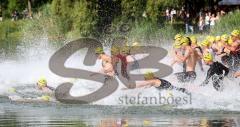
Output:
x=173 y=62
x=231 y=48
x=173 y=51
x=220 y=54
x=108 y=69
x=225 y=69
x=130 y=58
x=237 y=74
x=139 y=85
x=51 y=88
x=47 y=91
x=183 y=58
x=199 y=53
x=200 y=64
x=144 y=84
x=223 y=54
x=209 y=75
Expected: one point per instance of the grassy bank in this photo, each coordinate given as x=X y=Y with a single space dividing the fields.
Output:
x=10 y=36
x=227 y=23
x=45 y=24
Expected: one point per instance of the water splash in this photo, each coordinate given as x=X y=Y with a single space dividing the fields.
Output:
x=33 y=63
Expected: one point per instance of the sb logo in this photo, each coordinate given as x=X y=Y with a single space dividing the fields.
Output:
x=56 y=65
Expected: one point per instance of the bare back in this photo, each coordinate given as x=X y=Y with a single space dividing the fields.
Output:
x=191 y=61
x=107 y=65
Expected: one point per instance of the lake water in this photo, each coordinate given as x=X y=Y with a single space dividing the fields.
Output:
x=55 y=115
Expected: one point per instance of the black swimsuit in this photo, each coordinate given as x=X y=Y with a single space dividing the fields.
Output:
x=216 y=73
x=188 y=76
x=164 y=84
x=168 y=86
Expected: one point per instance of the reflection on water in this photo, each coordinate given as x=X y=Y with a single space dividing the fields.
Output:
x=201 y=122
x=56 y=115
x=12 y=120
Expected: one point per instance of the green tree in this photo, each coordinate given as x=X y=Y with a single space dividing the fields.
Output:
x=66 y=8
x=56 y=7
x=12 y=5
x=18 y=5
x=84 y=17
x=152 y=9
x=62 y=10
x=172 y=3
x=133 y=9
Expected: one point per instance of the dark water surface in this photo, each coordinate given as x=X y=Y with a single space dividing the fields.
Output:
x=14 y=114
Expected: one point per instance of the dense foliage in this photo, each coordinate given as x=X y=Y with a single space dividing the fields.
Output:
x=64 y=19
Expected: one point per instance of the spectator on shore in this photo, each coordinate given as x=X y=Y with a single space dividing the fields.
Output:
x=218 y=16
x=144 y=14
x=222 y=12
x=25 y=13
x=201 y=13
x=201 y=24
x=188 y=24
x=1 y=16
x=207 y=21
x=212 y=21
x=15 y=15
x=172 y=15
x=182 y=13
x=167 y=14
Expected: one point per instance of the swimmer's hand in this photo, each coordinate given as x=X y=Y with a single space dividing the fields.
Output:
x=176 y=52
x=237 y=74
x=173 y=62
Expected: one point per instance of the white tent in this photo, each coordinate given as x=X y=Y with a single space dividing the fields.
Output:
x=229 y=2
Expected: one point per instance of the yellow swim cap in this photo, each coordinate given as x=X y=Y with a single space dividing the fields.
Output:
x=207 y=57
x=115 y=50
x=125 y=49
x=45 y=98
x=99 y=50
x=193 y=39
x=230 y=41
x=135 y=44
x=218 y=38
x=205 y=43
x=185 y=41
x=224 y=37
x=235 y=33
x=177 y=44
x=178 y=37
x=42 y=82
x=149 y=75
x=211 y=39
x=208 y=37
